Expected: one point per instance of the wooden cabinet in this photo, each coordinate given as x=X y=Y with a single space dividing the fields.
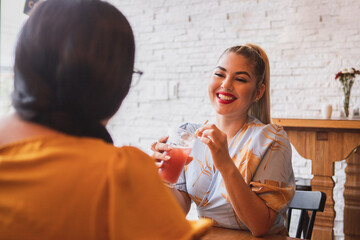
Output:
x=324 y=142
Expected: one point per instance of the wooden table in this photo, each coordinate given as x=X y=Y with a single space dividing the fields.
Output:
x=324 y=142
x=216 y=233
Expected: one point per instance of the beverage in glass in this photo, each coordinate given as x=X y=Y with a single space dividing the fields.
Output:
x=181 y=142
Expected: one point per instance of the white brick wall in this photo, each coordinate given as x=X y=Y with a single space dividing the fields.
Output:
x=339 y=180
x=178 y=43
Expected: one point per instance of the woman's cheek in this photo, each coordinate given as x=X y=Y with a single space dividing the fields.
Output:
x=213 y=85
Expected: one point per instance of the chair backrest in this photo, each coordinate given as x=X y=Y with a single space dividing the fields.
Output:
x=305 y=201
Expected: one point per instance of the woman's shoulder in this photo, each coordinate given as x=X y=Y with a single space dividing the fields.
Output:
x=269 y=131
x=131 y=164
x=131 y=150
x=133 y=154
x=254 y=122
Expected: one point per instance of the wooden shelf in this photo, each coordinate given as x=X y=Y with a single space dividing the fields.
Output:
x=318 y=123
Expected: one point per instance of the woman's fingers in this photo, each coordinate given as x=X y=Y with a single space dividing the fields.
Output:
x=160 y=146
x=208 y=129
x=214 y=138
x=206 y=135
x=153 y=146
x=211 y=134
x=160 y=156
x=208 y=142
x=163 y=139
x=159 y=164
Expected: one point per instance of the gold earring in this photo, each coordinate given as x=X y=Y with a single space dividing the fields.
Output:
x=257 y=99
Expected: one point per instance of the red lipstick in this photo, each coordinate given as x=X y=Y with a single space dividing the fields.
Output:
x=225 y=98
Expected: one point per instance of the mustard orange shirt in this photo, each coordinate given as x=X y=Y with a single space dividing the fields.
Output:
x=83 y=188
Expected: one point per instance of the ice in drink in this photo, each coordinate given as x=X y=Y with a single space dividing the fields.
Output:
x=171 y=169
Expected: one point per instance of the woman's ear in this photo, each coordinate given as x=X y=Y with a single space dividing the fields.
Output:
x=259 y=92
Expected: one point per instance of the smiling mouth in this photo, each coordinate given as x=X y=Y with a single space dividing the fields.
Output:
x=225 y=98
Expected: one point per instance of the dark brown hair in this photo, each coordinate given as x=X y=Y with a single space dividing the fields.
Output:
x=73 y=65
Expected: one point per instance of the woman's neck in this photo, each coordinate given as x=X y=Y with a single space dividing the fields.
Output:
x=230 y=125
x=13 y=129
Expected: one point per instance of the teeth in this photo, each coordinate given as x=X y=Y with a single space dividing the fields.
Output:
x=223 y=97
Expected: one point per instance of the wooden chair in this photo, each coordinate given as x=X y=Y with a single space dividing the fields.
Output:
x=305 y=201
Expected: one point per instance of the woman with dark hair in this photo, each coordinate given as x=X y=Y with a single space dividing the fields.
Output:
x=241 y=175
x=60 y=175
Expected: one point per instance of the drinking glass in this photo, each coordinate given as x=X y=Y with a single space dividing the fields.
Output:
x=181 y=141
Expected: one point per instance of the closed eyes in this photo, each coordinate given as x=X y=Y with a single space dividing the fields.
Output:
x=240 y=79
x=220 y=75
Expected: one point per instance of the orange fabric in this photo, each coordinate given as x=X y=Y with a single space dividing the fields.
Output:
x=275 y=196
x=82 y=188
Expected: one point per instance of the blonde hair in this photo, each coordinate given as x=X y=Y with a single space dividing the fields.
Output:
x=257 y=56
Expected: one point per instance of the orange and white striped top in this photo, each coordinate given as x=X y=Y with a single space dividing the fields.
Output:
x=262 y=154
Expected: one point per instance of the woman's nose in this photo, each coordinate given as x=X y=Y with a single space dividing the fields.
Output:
x=227 y=83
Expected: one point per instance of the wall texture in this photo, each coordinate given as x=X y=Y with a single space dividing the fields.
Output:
x=178 y=43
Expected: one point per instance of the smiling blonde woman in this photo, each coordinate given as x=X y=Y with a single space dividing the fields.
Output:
x=241 y=174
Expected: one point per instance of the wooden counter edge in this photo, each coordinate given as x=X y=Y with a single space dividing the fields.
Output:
x=318 y=123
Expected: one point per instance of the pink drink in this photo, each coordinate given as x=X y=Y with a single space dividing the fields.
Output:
x=171 y=169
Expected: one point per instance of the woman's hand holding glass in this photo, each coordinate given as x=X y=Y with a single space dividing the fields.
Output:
x=158 y=149
x=175 y=156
